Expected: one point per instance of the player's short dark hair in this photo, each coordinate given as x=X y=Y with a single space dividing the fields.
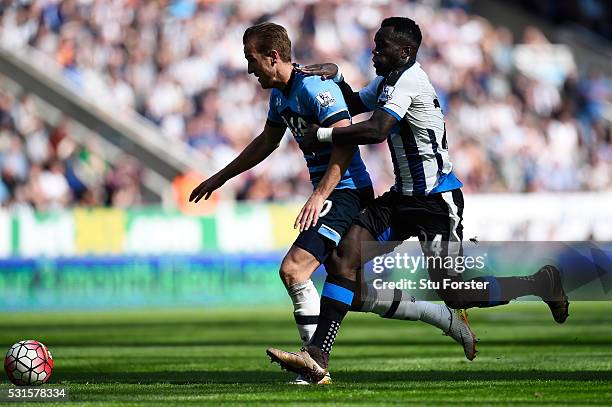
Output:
x=405 y=31
x=269 y=36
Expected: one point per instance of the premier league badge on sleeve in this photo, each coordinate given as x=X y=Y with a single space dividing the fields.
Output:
x=386 y=94
x=326 y=99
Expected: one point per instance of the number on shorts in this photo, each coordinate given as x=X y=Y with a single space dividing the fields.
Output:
x=436 y=245
x=326 y=208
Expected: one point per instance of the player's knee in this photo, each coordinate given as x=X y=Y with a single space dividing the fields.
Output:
x=338 y=266
x=289 y=271
x=333 y=265
x=345 y=261
x=350 y=254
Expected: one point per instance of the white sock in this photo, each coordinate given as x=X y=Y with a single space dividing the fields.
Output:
x=394 y=304
x=306 y=304
x=437 y=315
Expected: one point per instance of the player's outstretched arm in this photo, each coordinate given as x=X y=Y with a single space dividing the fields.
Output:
x=372 y=131
x=257 y=150
x=330 y=70
x=338 y=163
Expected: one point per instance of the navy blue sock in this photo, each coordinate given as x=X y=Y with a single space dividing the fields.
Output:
x=494 y=292
x=514 y=287
x=336 y=299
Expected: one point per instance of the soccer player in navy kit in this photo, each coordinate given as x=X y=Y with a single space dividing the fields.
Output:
x=343 y=186
x=426 y=200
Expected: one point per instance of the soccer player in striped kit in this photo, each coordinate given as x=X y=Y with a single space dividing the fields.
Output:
x=426 y=200
x=297 y=100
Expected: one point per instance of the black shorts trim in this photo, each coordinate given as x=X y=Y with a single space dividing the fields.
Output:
x=336 y=117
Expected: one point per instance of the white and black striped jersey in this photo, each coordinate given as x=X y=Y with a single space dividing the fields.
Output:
x=417 y=142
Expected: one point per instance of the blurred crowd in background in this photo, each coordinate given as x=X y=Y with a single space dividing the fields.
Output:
x=45 y=168
x=520 y=116
x=595 y=15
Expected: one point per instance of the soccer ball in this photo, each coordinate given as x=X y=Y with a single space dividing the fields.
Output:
x=28 y=363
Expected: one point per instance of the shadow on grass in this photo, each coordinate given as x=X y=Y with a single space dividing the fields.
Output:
x=253 y=377
x=290 y=343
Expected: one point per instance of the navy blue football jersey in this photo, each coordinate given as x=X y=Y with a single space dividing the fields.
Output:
x=309 y=100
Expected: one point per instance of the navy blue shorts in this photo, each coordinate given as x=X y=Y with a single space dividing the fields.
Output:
x=337 y=215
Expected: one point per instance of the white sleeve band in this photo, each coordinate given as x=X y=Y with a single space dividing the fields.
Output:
x=324 y=134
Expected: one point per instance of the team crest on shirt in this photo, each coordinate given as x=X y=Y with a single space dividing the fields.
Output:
x=326 y=99
x=386 y=94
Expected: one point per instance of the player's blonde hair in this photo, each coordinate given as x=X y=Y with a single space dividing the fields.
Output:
x=268 y=36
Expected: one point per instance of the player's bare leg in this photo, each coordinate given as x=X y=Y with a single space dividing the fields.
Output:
x=295 y=272
x=336 y=299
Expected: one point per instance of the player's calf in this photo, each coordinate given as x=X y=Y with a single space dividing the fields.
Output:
x=296 y=269
x=305 y=299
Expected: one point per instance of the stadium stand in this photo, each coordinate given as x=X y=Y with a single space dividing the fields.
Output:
x=45 y=168
x=514 y=126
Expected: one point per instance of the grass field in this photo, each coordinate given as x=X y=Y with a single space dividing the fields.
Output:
x=197 y=357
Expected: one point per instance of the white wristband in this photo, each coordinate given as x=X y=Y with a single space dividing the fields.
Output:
x=324 y=134
x=338 y=78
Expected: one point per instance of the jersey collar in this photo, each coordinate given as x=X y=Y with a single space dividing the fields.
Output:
x=403 y=68
x=289 y=85
x=394 y=75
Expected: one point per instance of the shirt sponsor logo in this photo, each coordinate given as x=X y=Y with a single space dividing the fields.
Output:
x=326 y=99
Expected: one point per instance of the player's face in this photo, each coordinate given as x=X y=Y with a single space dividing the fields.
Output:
x=259 y=65
x=387 y=54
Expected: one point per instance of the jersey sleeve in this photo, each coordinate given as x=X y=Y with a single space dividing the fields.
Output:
x=396 y=100
x=325 y=101
x=274 y=117
x=369 y=94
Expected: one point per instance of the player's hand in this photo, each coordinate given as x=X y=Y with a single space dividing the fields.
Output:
x=309 y=215
x=311 y=143
x=206 y=188
x=325 y=71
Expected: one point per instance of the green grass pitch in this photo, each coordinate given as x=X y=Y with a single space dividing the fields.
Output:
x=197 y=357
